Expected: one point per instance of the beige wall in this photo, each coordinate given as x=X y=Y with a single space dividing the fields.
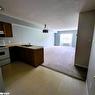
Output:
x=84 y=38
x=91 y=70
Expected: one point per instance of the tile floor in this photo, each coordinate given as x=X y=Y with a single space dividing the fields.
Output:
x=23 y=79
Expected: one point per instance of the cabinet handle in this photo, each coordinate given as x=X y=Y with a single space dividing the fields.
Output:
x=94 y=77
x=89 y=41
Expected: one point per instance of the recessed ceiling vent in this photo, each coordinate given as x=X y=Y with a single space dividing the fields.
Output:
x=45 y=30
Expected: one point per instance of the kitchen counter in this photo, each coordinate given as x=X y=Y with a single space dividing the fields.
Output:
x=30 y=54
x=31 y=47
x=2 y=47
x=23 y=46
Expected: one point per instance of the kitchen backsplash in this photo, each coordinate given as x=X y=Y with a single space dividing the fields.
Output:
x=9 y=41
x=5 y=41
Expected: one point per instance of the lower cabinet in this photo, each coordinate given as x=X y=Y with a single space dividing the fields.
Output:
x=35 y=57
x=13 y=53
x=2 y=87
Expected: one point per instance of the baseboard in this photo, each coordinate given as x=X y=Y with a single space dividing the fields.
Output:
x=79 y=65
x=86 y=88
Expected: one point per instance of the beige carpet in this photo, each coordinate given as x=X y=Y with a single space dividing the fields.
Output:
x=23 y=79
x=61 y=58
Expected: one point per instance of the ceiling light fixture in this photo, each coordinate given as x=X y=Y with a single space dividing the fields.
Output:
x=45 y=30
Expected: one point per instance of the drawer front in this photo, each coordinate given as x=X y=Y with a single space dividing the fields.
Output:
x=4 y=53
x=4 y=62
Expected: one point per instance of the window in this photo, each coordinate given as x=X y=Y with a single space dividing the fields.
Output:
x=66 y=39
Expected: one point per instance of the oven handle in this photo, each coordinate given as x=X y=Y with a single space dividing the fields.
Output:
x=2 y=53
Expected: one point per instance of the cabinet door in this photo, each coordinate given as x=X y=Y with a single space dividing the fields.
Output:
x=1 y=26
x=84 y=38
x=1 y=30
x=7 y=29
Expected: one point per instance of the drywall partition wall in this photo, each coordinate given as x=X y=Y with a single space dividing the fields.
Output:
x=91 y=69
x=57 y=37
x=25 y=35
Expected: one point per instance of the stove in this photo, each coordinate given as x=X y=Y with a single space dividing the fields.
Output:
x=2 y=46
x=4 y=55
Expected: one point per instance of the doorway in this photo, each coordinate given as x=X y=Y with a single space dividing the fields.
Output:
x=61 y=56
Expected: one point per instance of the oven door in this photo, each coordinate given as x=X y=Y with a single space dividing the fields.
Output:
x=2 y=34
x=4 y=53
x=4 y=62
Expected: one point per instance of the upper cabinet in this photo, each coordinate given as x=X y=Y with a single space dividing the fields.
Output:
x=5 y=29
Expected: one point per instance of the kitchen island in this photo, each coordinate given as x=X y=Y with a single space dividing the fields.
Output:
x=30 y=54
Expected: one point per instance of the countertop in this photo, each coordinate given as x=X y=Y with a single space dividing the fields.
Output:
x=31 y=47
x=21 y=45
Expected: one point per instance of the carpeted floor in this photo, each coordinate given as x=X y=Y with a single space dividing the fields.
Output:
x=61 y=58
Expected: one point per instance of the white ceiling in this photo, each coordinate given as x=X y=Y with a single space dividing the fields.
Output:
x=57 y=14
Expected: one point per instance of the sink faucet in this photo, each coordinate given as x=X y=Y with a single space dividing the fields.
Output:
x=29 y=43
